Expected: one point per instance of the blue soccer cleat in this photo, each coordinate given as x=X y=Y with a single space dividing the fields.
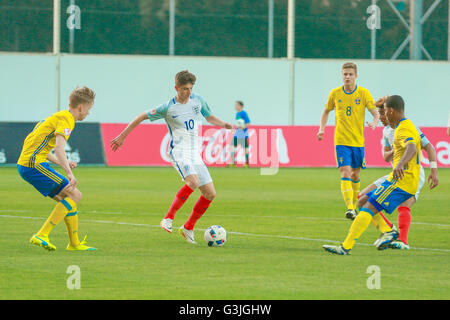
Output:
x=398 y=244
x=386 y=239
x=336 y=250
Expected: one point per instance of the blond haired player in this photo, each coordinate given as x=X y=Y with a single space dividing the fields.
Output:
x=52 y=133
x=350 y=102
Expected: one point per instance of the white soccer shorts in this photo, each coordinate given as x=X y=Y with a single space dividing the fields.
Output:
x=187 y=164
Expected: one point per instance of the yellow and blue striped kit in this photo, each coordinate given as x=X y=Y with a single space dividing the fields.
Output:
x=394 y=192
x=388 y=196
x=32 y=164
x=406 y=133
x=350 y=156
x=350 y=110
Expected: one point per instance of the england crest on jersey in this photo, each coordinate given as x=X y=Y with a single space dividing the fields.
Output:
x=196 y=109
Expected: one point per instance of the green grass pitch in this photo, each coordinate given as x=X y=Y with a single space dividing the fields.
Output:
x=276 y=226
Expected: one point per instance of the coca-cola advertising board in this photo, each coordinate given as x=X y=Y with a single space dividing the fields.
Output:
x=269 y=146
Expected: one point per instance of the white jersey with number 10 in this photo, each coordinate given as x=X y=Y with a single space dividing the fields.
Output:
x=183 y=122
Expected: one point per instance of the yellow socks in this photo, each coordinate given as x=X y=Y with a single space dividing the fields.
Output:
x=350 y=190
x=71 y=221
x=59 y=212
x=356 y=186
x=347 y=192
x=357 y=228
x=380 y=223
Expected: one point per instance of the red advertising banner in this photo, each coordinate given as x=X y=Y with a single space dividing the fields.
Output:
x=269 y=146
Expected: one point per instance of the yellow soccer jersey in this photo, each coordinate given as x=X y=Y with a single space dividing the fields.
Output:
x=406 y=133
x=350 y=110
x=42 y=139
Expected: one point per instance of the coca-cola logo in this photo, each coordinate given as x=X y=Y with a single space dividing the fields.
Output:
x=442 y=154
x=267 y=147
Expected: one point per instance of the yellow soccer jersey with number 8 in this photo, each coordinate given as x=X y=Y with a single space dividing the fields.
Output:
x=42 y=139
x=350 y=110
x=406 y=133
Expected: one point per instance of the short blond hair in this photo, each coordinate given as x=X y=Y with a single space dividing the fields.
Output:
x=350 y=65
x=81 y=95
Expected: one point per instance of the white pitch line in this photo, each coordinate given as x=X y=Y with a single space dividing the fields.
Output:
x=230 y=232
x=246 y=216
x=432 y=224
x=323 y=218
x=21 y=217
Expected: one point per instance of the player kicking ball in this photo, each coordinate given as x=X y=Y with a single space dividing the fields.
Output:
x=404 y=210
x=402 y=183
x=183 y=118
x=53 y=132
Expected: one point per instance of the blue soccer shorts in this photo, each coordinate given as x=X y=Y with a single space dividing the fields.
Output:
x=388 y=197
x=350 y=156
x=44 y=178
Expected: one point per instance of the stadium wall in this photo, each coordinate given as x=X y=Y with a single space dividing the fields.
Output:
x=127 y=85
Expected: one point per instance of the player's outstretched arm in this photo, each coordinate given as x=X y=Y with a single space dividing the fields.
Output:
x=433 y=179
x=61 y=159
x=323 y=123
x=117 y=142
x=217 y=122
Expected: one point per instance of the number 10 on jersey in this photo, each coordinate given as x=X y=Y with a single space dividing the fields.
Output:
x=189 y=124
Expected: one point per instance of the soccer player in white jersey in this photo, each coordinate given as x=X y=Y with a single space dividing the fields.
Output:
x=404 y=210
x=183 y=117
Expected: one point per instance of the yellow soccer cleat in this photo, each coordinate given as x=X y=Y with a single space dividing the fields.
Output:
x=81 y=247
x=43 y=242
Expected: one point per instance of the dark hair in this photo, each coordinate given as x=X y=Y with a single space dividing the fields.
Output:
x=396 y=102
x=240 y=103
x=184 y=77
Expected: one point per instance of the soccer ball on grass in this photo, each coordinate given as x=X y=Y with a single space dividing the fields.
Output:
x=215 y=236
